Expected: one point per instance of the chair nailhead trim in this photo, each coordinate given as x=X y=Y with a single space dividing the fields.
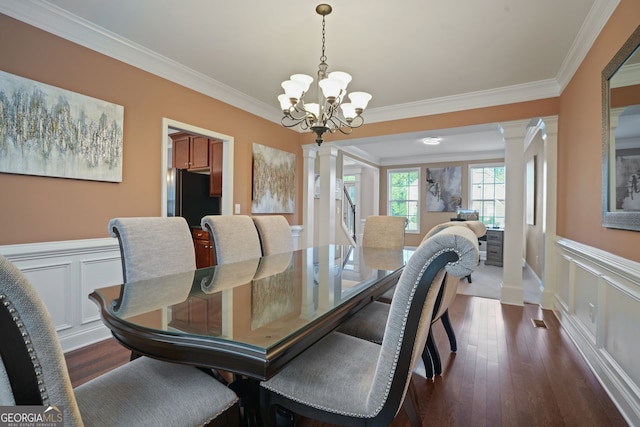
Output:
x=27 y=342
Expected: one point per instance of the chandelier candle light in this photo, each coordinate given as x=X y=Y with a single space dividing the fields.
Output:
x=324 y=116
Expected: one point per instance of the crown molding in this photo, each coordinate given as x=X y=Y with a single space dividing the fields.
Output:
x=594 y=23
x=354 y=150
x=480 y=99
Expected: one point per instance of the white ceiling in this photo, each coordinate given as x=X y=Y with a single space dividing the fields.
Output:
x=415 y=57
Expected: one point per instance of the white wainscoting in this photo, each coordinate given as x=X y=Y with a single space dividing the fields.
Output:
x=65 y=273
x=597 y=299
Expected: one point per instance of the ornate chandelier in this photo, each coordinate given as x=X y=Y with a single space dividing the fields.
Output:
x=323 y=116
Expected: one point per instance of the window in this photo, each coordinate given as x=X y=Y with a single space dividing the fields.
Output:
x=487 y=194
x=404 y=192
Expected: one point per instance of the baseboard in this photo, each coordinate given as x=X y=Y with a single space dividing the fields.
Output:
x=81 y=339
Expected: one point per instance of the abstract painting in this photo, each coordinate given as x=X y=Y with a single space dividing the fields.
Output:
x=444 y=189
x=48 y=131
x=273 y=180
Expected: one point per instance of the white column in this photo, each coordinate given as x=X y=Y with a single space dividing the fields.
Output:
x=309 y=156
x=327 y=209
x=513 y=245
x=549 y=188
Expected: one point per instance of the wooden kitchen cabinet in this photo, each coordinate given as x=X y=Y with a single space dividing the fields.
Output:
x=203 y=248
x=190 y=151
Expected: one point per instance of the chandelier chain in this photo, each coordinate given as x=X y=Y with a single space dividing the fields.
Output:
x=323 y=58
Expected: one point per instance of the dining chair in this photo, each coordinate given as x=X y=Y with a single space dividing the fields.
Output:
x=383 y=231
x=275 y=234
x=234 y=237
x=345 y=380
x=451 y=288
x=144 y=392
x=479 y=229
x=153 y=246
x=369 y=323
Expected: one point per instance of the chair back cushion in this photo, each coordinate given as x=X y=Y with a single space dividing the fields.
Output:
x=275 y=234
x=153 y=246
x=33 y=363
x=234 y=237
x=384 y=232
x=453 y=251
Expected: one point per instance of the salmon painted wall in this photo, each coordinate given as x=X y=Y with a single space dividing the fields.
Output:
x=41 y=209
x=580 y=144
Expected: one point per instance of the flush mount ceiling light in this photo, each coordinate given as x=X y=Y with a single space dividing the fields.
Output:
x=323 y=116
x=431 y=140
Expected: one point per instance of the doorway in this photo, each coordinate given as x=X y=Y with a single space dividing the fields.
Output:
x=361 y=184
x=226 y=200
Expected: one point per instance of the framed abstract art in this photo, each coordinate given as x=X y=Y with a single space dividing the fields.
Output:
x=274 y=173
x=49 y=131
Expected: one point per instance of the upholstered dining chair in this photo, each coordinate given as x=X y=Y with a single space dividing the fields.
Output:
x=144 y=392
x=153 y=246
x=346 y=380
x=451 y=287
x=382 y=231
x=369 y=323
x=479 y=229
x=385 y=232
x=275 y=234
x=234 y=237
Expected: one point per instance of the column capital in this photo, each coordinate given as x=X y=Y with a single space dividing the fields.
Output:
x=516 y=129
x=310 y=150
x=328 y=150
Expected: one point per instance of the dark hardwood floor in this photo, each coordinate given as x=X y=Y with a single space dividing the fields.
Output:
x=506 y=372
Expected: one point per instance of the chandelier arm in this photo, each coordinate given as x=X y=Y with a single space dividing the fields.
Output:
x=293 y=124
x=339 y=122
x=344 y=131
x=356 y=122
x=302 y=114
x=304 y=124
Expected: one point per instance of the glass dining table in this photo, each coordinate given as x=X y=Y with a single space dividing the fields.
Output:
x=252 y=317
